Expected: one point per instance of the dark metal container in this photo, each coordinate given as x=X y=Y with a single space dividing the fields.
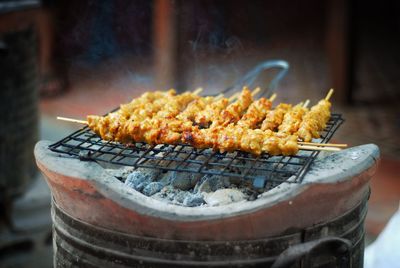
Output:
x=335 y=243
x=19 y=111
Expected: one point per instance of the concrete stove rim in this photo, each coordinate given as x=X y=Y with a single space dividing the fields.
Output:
x=348 y=163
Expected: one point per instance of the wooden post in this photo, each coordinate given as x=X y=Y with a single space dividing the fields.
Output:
x=340 y=41
x=165 y=43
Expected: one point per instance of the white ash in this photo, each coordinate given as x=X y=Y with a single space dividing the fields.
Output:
x=224 y=197
x=185 y=189
x=194 y=189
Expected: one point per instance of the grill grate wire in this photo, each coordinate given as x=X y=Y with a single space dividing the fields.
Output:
x=264 y=171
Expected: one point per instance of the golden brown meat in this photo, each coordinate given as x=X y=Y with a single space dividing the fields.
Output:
x=194 y=108
x=315 y=121
x=205 y=117
x=138 y=109
x=122 y=127
x=292 y=119
x=233 y=112
x=255 y=113
x=231 y=138
x=274 y=117
x=175 y=105
x=158 y=119
x=161 y=127
x=142 y=102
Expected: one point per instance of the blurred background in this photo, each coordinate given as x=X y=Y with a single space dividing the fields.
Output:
x=73 y=58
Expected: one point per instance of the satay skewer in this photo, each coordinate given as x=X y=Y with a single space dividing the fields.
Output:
x=233 y=97
x=256 y=112
x=338 y=145
x=255 y=91
x=67 y=119
x=316 y=148
x=198 y=91
x=329 y=95
x=315 y=119
x=152 y=140
x=273 y=97
x=218 y=97
x=302 y=145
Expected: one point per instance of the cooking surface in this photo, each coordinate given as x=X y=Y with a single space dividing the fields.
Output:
x=265 y=170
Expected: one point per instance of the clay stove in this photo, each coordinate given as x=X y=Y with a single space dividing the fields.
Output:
x=99 y=222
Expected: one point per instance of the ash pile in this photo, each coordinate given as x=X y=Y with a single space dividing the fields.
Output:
x=188 y=189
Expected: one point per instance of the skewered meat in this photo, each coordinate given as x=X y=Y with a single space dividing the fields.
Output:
x=234 y=111
x=292 y=119
x=205 y=117
x=168 y=118
x=141 y=105
x=233 y=138
x=124 y=128
x=194 y=108
x=314 y=121
x=255 y=113
x=274 y=117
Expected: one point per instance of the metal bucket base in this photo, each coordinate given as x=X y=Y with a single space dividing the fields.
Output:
x=79 y=244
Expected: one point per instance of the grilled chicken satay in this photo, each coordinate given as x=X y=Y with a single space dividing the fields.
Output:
x=218 y=114
x=315 y=121
x=206 y=116
x=292 y=119
x=171 y=129
x=274 y=117
x=149 y=129
x=233 y=112
x=233 y=137
x=106 y=126
x=115 y=126
x=256 y=141
x=194 y=108
x=146 y=98
x=255 y=113
x=140 y=108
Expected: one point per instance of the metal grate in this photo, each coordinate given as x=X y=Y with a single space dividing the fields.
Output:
x=265 y=171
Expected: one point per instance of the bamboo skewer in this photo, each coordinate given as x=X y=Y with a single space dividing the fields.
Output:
x=198 y=91
x=338 y=145
x=315 y=148
x=220 y=96
x=72 y=120
x=255 y=91
x=306 y=103
x=329 y=95
x=273 y=97
x=233 y=97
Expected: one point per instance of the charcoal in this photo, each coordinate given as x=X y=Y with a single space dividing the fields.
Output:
x=180 y=197
x=184 y=181
x=193 y=200
x=152 y=188
x=214 y=183
x=139 y=179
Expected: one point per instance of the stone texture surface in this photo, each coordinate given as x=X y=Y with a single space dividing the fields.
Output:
x=89 y=193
